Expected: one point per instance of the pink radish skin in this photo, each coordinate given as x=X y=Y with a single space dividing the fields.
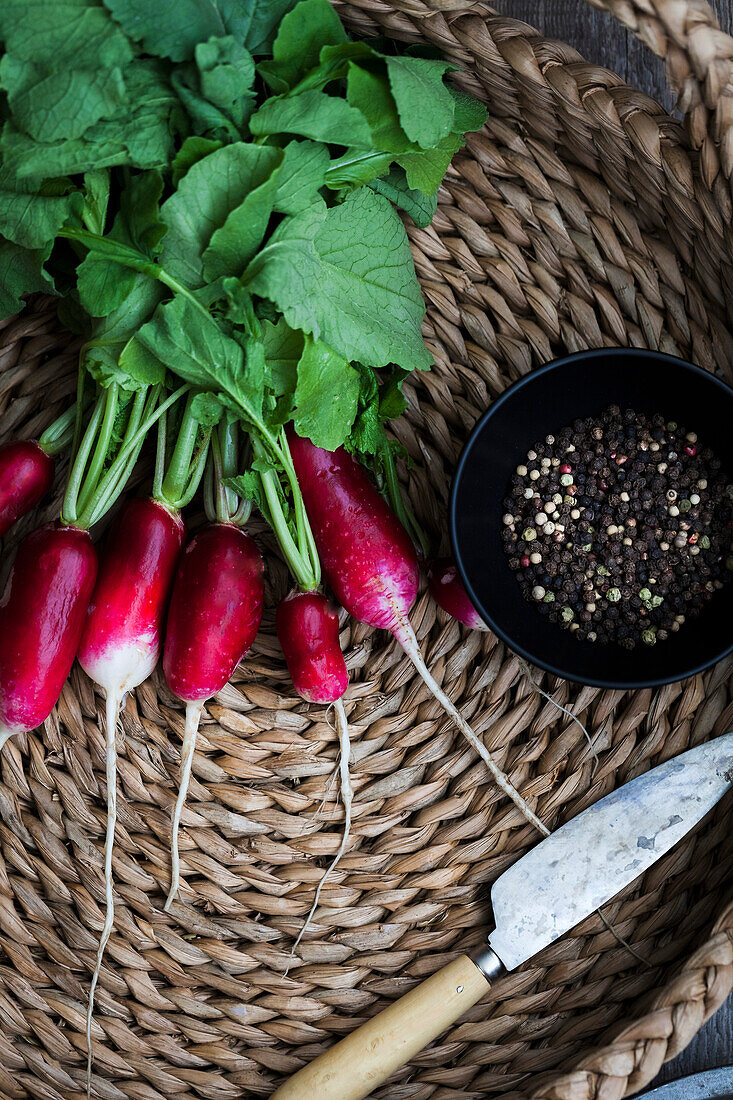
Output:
x=367 y=556
x=26 y=475
x=215 y=611
x=121 y=643
x=41 y=619
x=446 y=588
x=370 y=563
x=308 y=629
x=122 y=635
x=213 y=619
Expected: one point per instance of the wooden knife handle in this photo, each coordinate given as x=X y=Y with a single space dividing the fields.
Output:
x=358 y=1064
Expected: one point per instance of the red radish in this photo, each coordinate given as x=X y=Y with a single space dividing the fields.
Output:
x=446 y=588
x=308 y=629
x=370 y=563
x=123 y=631
x=366 y=554
x=41 y=619
x=121 y=643
x=214 y=615
x=26 y=475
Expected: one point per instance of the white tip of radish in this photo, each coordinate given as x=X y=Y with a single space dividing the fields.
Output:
x=193 y=717
x=123 y=665
x=405 y=635
x=6 y=732
x=112 y=708
x=347 y=795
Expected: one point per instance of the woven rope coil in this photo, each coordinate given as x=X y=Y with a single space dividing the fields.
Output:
x=581 y=216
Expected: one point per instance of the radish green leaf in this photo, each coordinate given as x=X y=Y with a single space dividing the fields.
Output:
x=425 y=169
x=416 y=81
x=211 y=189
x=417 y=204
x=326 y=395
x=54 y=105
x=22 y=273
x=469 y=113
x=30 y=218
x=370 y=93
x=194 y=149
x=236 y=241
x=283 y=351
x=312 y=114
x=303 y=32
x=301 y=176
x=347 y=278
x=172 y=28
x=139 y=136
x=57 y=32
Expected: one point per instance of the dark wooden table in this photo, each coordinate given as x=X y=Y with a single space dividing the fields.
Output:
x=602 y=40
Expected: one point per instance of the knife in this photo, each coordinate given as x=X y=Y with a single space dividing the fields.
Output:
x=558 y=883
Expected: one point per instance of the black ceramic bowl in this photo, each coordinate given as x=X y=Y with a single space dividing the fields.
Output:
x=543 y=402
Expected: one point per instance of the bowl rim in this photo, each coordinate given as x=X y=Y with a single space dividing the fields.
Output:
x=521 y=383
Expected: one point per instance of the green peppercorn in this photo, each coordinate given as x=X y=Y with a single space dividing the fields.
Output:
x=649 y=637
x=613 y=595
x=529 y=534
x=566 y=479
x=549 y=597
x=684 y=505
x=567 y=614
x=704 y=543
x=645 y=594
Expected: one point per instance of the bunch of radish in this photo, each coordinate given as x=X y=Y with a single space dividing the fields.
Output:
x=200 y=606
x=178 y=261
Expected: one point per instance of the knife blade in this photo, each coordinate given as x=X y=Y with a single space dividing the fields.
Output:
x=548 y=891
x=589 y=860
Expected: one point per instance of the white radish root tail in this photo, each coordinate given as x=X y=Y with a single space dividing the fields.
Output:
x=112 y=709
x=405 y=635
x=193 y=717
x=347 y=796
x=324 y=800
x=4 y=736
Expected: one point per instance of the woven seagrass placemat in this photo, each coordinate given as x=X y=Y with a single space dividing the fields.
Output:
x=581 y=216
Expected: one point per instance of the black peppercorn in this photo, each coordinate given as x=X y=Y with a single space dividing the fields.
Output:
x=633 y=506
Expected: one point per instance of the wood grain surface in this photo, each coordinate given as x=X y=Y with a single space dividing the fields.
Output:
x=604 y=41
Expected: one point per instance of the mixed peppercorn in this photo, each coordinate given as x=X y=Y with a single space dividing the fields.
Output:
x=619 y=527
